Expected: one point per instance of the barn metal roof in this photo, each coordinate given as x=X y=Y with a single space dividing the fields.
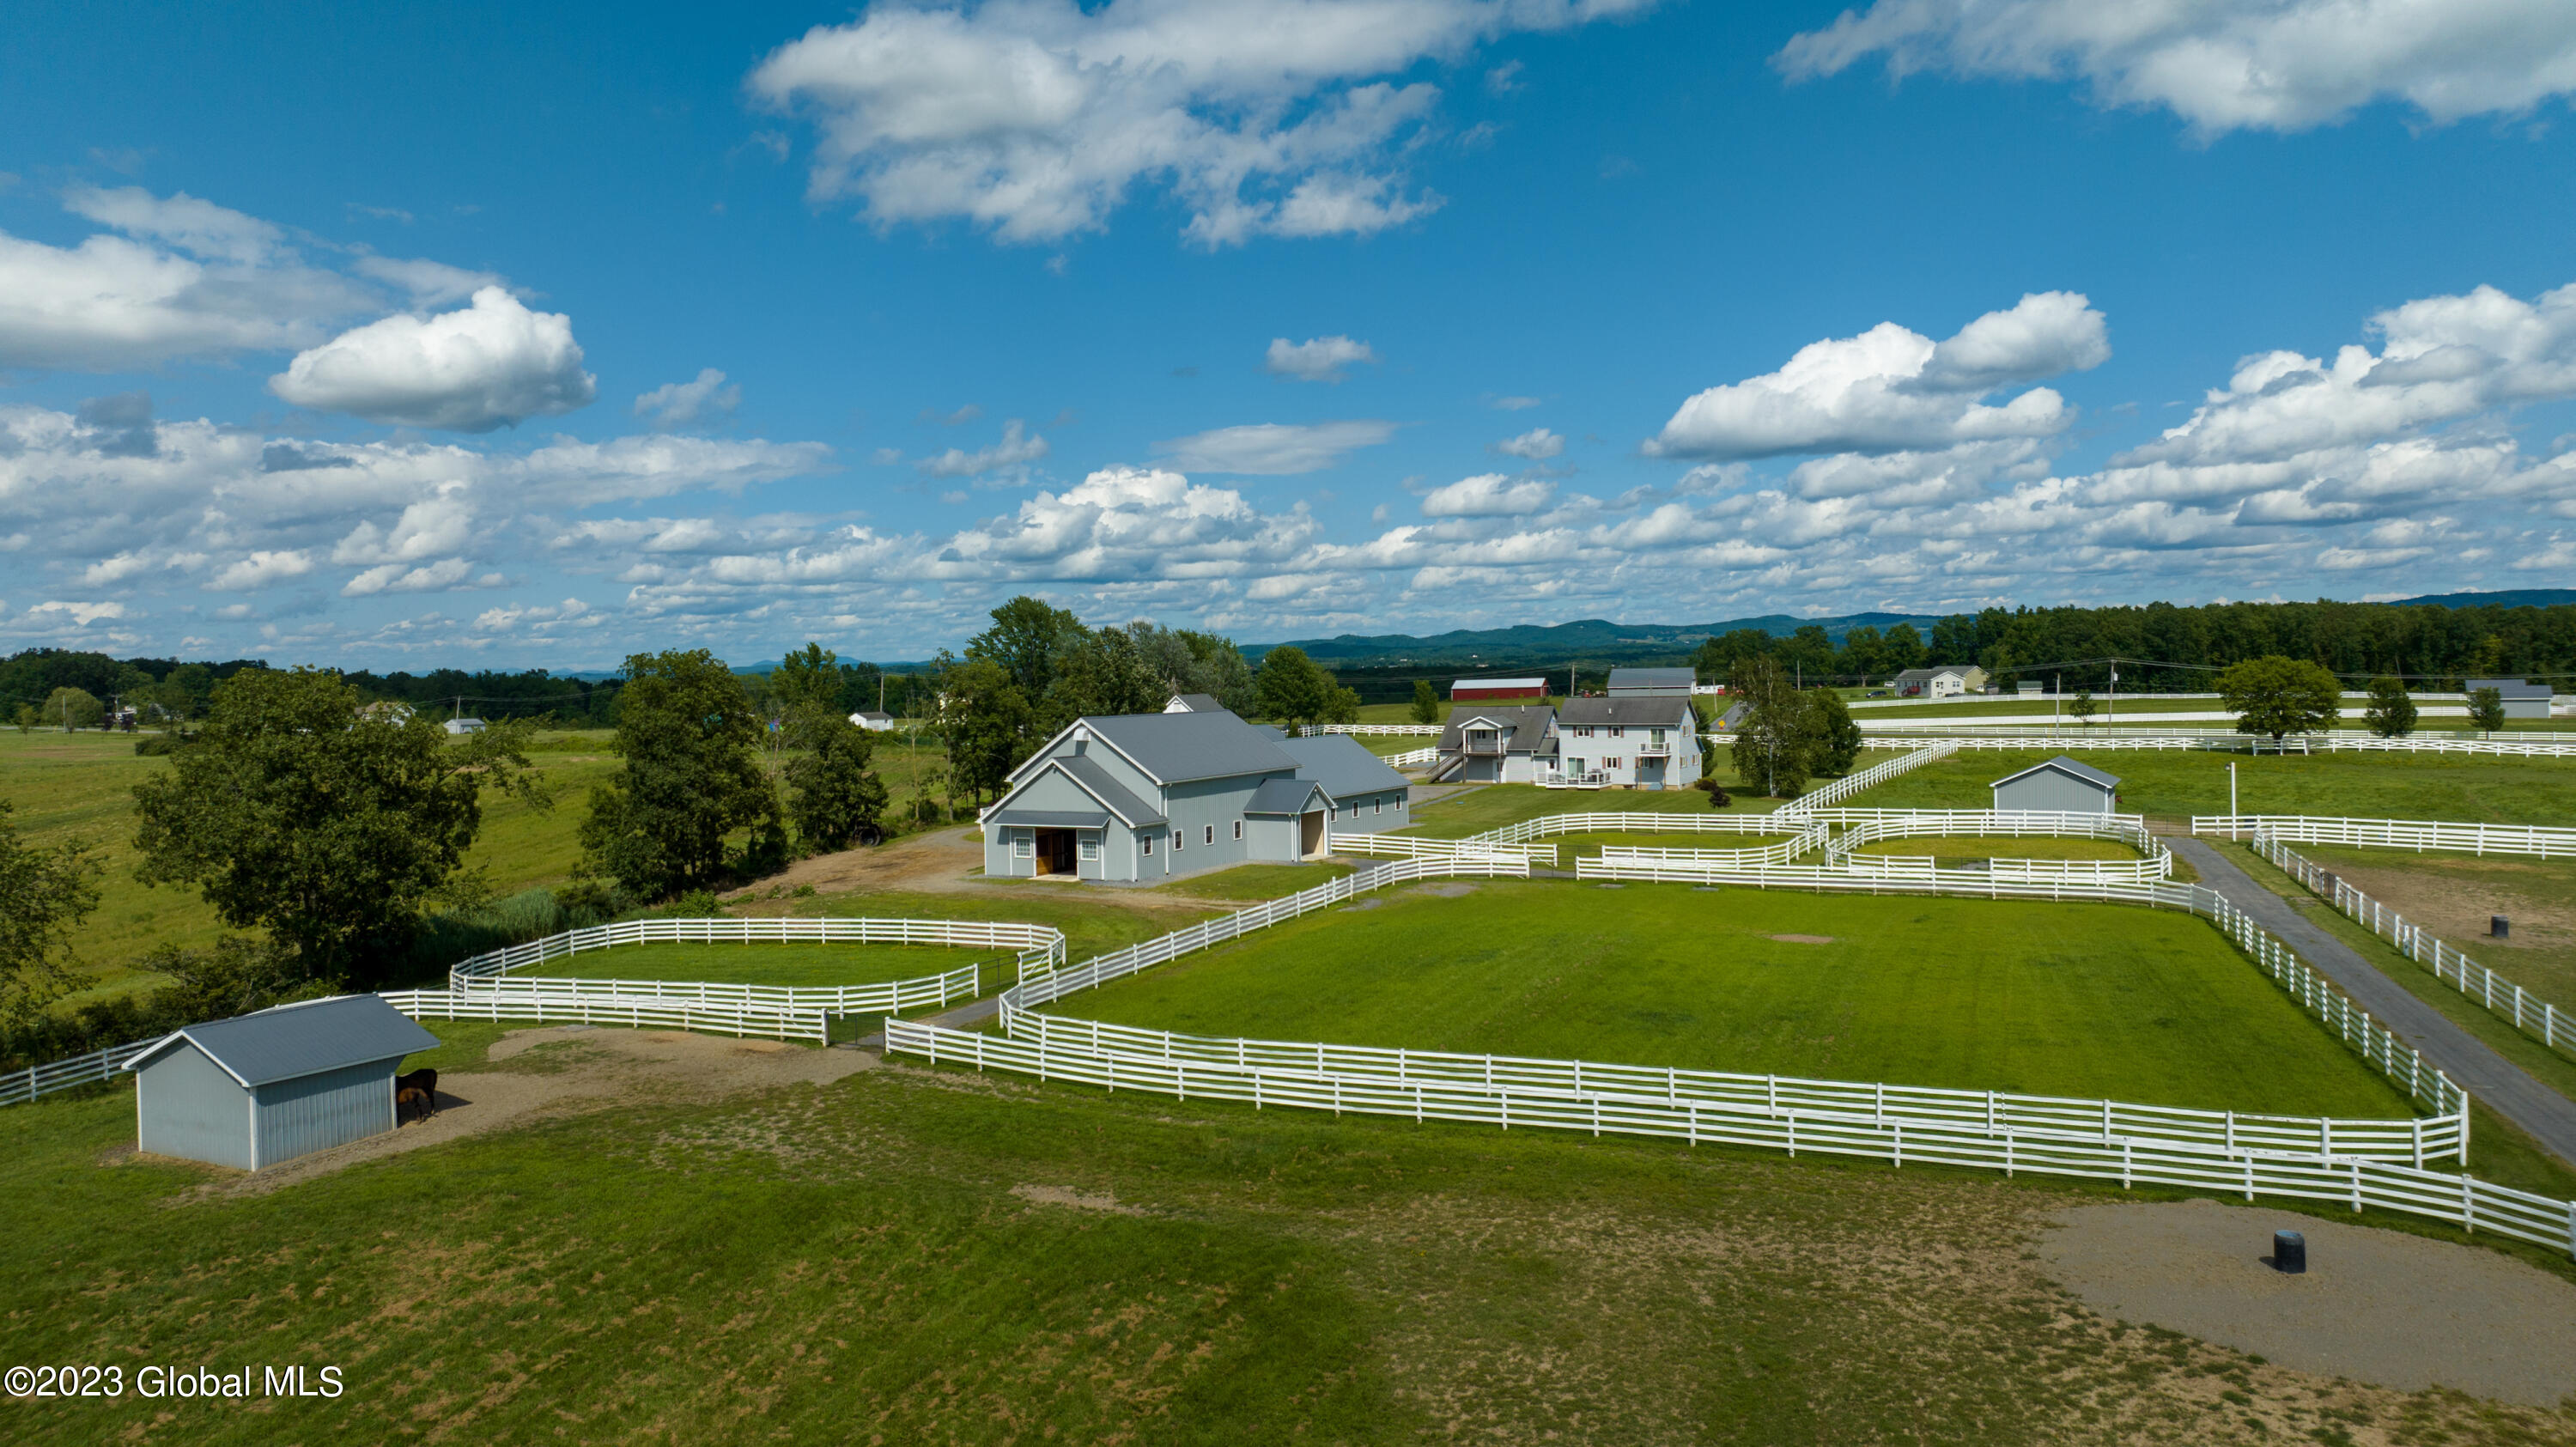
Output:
x=1174 y=748
x=2508 y=687
x=288 y=1042
x=1195 y=703
x=2067 y=766
x=1681 y=678
x=1283 y=796
x=1343 y=765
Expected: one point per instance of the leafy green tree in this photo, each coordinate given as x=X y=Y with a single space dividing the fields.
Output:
x=2486 y=708
x=44 y=895
x=1295 y=690
x=1837 y=735
x=807 y=677
x=986 y=720
x=2278 y=696
x=1426 y=702
x=834 y=797
x=1098 y=673
x=2391 y=714
x=1025 y=638
x=74 y=708
x=330 y=828
x=2081 y=707
x=1775 y=741
x=1901 y=649
x=1716 y=659
x=27 y=717
x=688 y=735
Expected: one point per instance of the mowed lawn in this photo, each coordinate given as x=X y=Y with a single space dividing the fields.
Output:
x=2472 y=789
x=820 y=965
x=2051 y=999
x=2001 y=846
x=1483 y=807
x=1586 y=846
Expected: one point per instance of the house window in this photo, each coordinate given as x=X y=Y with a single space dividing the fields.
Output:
x=1090 y=848
x=1238 y=828
x=1178 y=839
x=1583 y=731
x=1615 y=733
x=1609 y=763
x=1211 y=835
x=1023 y=843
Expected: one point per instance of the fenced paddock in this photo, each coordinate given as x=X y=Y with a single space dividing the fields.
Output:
x=1918 y=736
x=2530 y=1014
x=1925 y=751
x=21 y=1086
x=2419 y=835
x=1411 y=846
x=2380 y=1165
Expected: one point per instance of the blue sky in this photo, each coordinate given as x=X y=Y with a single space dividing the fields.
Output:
x=462 y=336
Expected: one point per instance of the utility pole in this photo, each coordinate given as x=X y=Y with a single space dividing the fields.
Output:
x=2231 y=788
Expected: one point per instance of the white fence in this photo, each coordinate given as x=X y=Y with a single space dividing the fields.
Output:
x=2343 y=1180
x=1038 y=946
x=1875 y=774
x=1869 y=826
x=21 y=1086
x=741 y=1018
x=1918 y=736
x=881 y=998
x=2032 y=1117
x=2538 y=842
x=1400 y=730
x=1411 y=846
x=1413 y=758
x=1769 y=854
x=2529 y=1013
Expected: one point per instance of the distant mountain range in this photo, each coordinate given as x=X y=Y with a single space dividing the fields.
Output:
x=2512 y=598
x=1590 y=640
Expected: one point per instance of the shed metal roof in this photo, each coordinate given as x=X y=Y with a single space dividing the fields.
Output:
x=1343 y=765
x=1681 y=678
x=2508 y=687
x=288 y=1042
x=1517 y=684
x=1174 y=748
x=2068 y=767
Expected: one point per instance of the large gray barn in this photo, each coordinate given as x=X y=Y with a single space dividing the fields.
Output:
x=259 y=1089
x=2059 y=786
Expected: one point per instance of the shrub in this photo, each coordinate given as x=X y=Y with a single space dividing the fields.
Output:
x=1717 y=797
x=696 y=904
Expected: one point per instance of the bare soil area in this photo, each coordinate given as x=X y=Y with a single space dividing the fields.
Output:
x=2455 y=897
x=2374 y=1306
x=576 y=1069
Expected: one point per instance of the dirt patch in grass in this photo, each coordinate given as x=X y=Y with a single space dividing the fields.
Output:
x=2375 y=1306
x=1068 y=1196
x=1802 y=939
x=1451 y=890
x=562 y=1071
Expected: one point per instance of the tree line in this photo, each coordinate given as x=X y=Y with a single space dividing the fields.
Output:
x=2167 y=648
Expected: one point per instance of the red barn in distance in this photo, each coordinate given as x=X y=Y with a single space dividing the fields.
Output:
x=1498 y=690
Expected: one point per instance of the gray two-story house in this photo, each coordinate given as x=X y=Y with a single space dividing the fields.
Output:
x=1150 y=796
x=1636 y=742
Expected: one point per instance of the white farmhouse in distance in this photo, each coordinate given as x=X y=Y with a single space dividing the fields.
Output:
x=1946 y=681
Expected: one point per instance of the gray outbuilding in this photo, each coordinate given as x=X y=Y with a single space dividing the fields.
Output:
x=2059 y=786
x=2521 y=699
x=258 y=1089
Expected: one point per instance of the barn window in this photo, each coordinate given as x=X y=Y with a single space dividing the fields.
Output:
x=1178 y=839
x=1021 y=842
x=1211 y=835
x=1238 y=828
x=1149 y=844
x=1090 y=847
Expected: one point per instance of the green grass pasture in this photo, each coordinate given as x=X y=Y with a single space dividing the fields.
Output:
x=2180 y=784
x=1586 y=846
x=2052 y=999
x=878 y=1259
x=1253 y=881
x=776 y=964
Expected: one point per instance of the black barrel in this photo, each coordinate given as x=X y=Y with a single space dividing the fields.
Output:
x=2289 y=1252
x=2499 y=927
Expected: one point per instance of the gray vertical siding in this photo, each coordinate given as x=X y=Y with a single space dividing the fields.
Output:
x=2050 y=791
x=316 y=1112
x=186 y=1106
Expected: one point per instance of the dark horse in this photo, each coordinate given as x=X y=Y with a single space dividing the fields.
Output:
x=424 y=1080
x=411 y=1105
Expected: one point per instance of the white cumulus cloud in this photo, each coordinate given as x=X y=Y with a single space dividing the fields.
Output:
x=1488 y=494
x=1537 y=444
x=677 y=404
x=1320 y=359
x=1034 y=119
x=1891 y=389
x=492 y=364
x=1017 y=449
x=2282 y=65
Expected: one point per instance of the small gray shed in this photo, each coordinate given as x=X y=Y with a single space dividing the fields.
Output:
x=259 y=1089
x=2059 y=786
x=2521 y=699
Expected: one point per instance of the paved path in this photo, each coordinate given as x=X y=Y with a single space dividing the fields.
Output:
x=958 y=1019
x=2499 y=1084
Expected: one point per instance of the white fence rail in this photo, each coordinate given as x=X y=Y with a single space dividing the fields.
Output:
x=1870 y=826
x=2347 y=1181
x=21 y=1086
x=1918 y=736
x=1400 y=730
x=2529 y=1013
x=1769 y=854
x=2535 y=841
x=881 y=998
x=1413 y=758
x=1412 y=846
x=1037 y=946
x=1875 y=774
x=740 y=1018
x=2413 y=1141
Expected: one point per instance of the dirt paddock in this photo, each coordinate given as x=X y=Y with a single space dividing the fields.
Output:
x=588 y=1069
x=2374 y=1306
